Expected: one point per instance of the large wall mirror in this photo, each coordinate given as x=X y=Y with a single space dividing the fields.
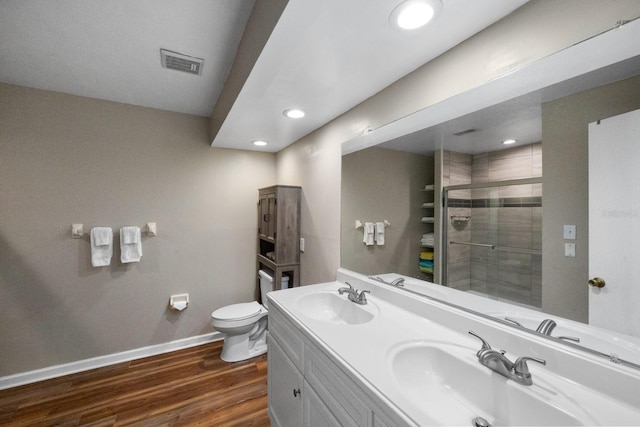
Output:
x=500 y=233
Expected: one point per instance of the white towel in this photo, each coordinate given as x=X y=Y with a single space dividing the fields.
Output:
x=130 y=244
x=368 y=232
x=380 y=233
x=130 y=235
x=101 y=246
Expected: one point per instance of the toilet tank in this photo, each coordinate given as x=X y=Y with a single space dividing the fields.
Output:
x=266 y=284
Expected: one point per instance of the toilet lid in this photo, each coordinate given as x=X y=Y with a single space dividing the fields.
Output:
x=240 y=311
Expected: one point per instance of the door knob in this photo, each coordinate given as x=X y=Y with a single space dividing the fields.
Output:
x=597 y=282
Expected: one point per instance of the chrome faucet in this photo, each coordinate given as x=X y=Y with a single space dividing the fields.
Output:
x=545 y=328
x=354 y=295
x=398 y=282
x=498 y=362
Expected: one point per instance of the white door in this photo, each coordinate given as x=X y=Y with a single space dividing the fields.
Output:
x=614 y=222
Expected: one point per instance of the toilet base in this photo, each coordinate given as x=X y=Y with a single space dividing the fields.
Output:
x=246 y=346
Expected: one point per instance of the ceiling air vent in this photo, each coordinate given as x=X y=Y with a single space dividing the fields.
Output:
x=466 y=131
x=180 y=62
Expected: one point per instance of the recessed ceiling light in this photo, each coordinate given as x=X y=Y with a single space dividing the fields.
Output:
x=509 y=141
x=294 y=113
x=259 y=143
x=413 y=14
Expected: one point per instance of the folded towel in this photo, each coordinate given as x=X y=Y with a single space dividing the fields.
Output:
x=426 y=264
x=101 y=246
x=130 y=235
x=380 y=233
x=426 y=269
x=426 y=255
x=130 y=252
x=368 y=232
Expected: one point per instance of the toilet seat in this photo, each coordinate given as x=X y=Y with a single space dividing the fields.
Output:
x=237 y=315
x=241 y=311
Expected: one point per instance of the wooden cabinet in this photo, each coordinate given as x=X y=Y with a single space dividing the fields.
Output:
x=279 y=233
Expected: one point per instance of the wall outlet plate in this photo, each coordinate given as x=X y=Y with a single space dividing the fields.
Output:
x=570 y=232
x=570 y=250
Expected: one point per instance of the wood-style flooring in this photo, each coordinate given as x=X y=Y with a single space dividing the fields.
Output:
x=181 y=388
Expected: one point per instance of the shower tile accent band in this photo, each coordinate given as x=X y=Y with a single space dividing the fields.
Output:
x=503 y=202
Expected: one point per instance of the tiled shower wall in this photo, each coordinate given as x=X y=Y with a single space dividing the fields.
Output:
x=508 y=217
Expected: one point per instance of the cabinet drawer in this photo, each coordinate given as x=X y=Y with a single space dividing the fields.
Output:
x=340 y=393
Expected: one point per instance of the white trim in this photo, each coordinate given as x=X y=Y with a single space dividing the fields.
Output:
x=109 y=359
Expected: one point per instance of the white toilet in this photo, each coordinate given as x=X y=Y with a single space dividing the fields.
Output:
x=245 y=324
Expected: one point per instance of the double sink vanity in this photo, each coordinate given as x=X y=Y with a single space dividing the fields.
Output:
x=362 y=352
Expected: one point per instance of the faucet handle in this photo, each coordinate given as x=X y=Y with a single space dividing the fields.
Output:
x=485 y=345
x=515 y=322
x=521 y=368
x=350 y=289
x=362 y=298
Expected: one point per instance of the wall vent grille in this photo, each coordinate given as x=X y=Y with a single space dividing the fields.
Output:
x=180 y=62
x=466 y=131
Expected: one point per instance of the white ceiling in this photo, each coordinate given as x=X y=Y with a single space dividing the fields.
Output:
x=110 y=49
x=323 y=56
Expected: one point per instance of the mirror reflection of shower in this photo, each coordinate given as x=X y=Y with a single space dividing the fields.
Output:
x=492 y=230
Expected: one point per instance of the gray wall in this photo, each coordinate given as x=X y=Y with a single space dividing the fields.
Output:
x=379 y=184
x=66 y=159
x=566 y=191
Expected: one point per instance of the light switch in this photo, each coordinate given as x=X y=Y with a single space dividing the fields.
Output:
x=302 y=244
x=570 y=250
x=570 y=232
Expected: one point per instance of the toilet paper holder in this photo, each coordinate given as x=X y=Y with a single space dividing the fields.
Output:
x=179 y=302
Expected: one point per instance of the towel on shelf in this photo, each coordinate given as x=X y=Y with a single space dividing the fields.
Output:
x=426 y=269
x=132 y=251
x=426 y=255
x=101 y=246
x=380 y=233
x=424 y=263
x=368 y=232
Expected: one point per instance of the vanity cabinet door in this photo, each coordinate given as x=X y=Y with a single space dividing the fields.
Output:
x=339 y=393
x=316 y=413
x=285 y=388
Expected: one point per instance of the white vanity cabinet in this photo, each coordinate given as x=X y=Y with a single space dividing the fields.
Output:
x=307 y=388
x=285 y=387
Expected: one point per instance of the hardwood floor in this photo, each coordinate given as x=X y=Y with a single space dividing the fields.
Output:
x=185 y=387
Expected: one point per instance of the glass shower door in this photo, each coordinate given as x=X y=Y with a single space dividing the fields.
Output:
x=493 y=240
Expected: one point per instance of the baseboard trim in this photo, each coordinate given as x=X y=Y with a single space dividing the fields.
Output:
x=109 y=359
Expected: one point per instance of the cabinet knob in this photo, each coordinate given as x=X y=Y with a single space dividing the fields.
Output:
x=597 y=282
x=296 y=392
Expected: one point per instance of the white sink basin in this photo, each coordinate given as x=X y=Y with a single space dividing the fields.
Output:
x=331 y=307
x=450 y=380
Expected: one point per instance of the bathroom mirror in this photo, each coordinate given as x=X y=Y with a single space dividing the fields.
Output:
x=387 y=182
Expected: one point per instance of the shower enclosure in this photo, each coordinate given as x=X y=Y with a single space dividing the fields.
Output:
x=492 y=239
